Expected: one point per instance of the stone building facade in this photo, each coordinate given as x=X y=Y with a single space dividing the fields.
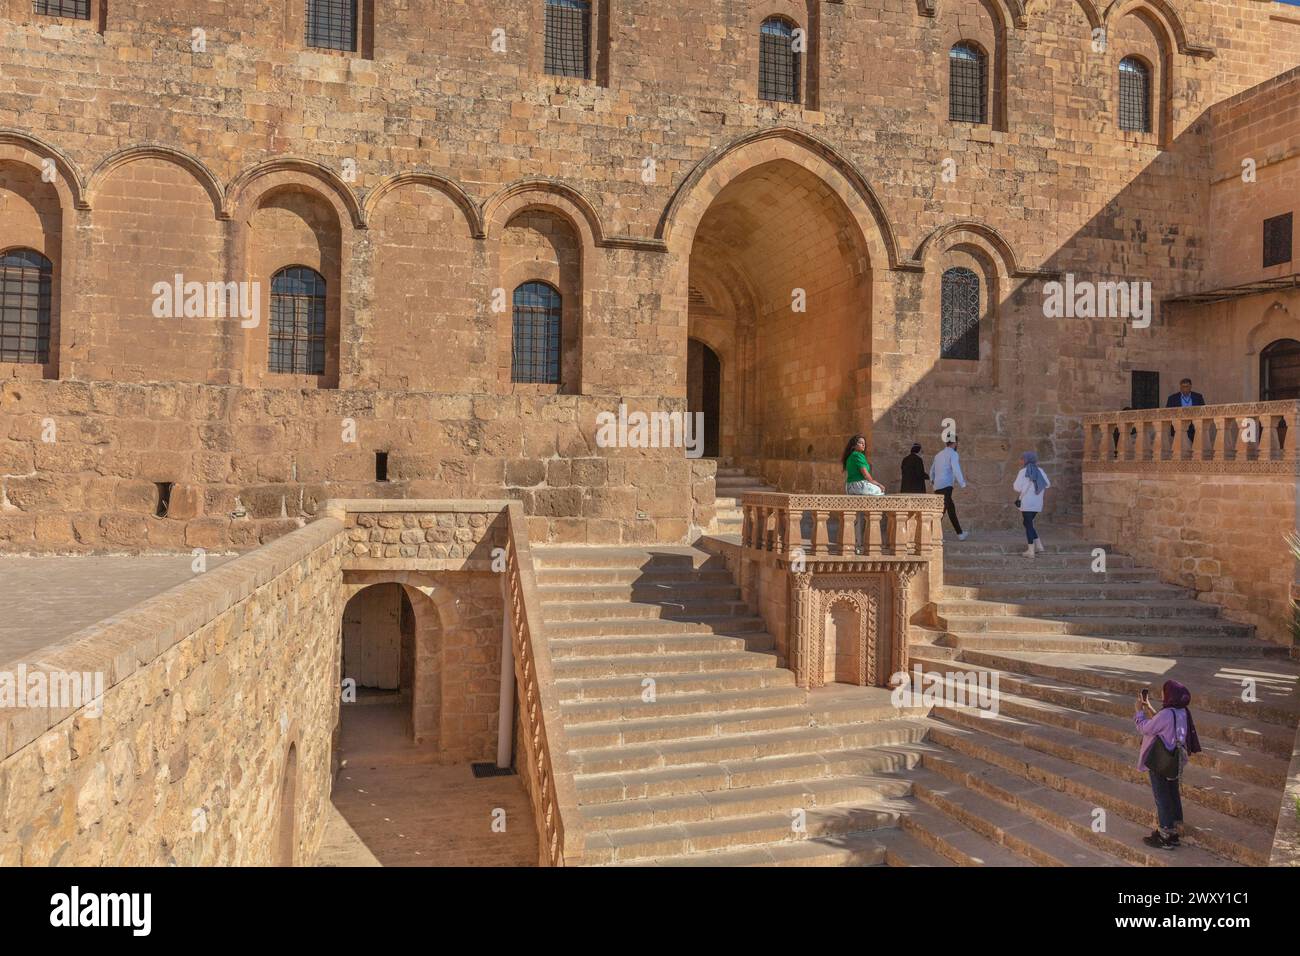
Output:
x=427 y=176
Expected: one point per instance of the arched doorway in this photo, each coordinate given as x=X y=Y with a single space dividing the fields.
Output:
x=379 y=659
x=780 y=283
x=704 y=392
x=1279 y=371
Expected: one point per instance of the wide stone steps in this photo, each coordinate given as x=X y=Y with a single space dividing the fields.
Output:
x=560 y=612
x=866 y=848
x=1047 y=561
x=1030 y=573
x=1095 y=626
x=645 y=627
x=992 y=641
x=659 y=644
x=719 y=751
x=1252 y=750
x=1073 y=592
x=577 y=713
x=665 y=685
x=1225 y=836
x=639 y=578
x=755 y=772
x=566 y=668
x=674 y=590
x=1010 y=797
x=1038 y=607
x=653 y=559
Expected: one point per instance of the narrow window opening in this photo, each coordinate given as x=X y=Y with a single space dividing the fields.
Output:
x=381 y=466
x=164 y=501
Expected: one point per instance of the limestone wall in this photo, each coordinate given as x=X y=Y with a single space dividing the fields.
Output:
x=1221 y=534
x=207 y=688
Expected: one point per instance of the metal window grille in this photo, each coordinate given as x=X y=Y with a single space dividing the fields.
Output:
x=332 y=24
x=1279 y=371
x=1277 y=240
x=76 y=9
x=1134 y=96
x=297 y=334
x=778 y=63
x=568 y=38
x=25 y=282
x=538 y=318
x=1144 y=391
x=967 y=84
x=959 y=336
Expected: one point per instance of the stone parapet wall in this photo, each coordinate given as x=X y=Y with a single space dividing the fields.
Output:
x=206 y=689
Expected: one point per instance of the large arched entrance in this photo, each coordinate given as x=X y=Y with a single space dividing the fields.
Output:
x=780 y=287
x=379 y=657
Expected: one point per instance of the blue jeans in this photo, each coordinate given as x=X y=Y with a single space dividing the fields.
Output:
x=1028 y=518
x=1169 y=803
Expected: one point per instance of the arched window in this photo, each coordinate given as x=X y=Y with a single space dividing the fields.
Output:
x=1134 y=95
x=297 y=334
x=535 y=350
x=778 y=61
x=26 y=279
x=568 y=38
x=332 y=24
x=959 y=335
x=1279 y=371
x=73 y=9
x=968 y=84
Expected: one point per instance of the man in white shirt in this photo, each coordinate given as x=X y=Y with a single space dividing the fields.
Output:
x=945 y=471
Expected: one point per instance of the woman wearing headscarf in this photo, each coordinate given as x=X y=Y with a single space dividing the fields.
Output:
x=1029 y=487
x=1168 y=737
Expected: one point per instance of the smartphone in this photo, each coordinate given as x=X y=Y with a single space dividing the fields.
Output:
x=1146 y=694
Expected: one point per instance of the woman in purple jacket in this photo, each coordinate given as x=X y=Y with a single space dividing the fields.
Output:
x=1172 y=725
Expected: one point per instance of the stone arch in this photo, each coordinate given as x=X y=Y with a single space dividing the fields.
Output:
x=1089 y=9
x=1165 y=17
x=550 y=194
x=246 y=190
x=1011 y=12
x=978 y=234
x=692 y=199
x=988 y=33
x=1154 y=47
x=191 y=164
x=452 y=189
x=285 y=841
x=1275 y=322
x=31 y=150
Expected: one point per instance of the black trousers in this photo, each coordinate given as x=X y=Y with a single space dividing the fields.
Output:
x=949 y=508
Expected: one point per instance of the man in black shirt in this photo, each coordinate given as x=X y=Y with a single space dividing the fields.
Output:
x=914 y=475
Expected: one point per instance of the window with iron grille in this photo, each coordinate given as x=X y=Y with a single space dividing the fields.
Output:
x=75 y=9
x=968 y=83
x=959 y=336
x=1277 y=240
x=26 y=279
x=1144 y=390
x=778 y=62
x=1134 y=96
x=1279 y=371
x=568 y=38
x=297 y=334
x=332 y=24
x=538 y=318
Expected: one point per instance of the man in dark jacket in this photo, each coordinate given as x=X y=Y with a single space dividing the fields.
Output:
x=1185 y=398
x=914 y=476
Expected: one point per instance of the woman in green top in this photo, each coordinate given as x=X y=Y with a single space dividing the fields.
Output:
x=857 y=471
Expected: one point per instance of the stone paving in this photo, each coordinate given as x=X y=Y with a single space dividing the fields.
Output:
x=48 y=598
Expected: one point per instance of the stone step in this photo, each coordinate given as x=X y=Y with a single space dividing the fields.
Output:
x=1003 y=823
x=639 y=592
x=951 y=839
x=1047 y=561
x=784 y=798
x=633 y=577
x=638 y=627
x=1125 y=676
x=707 y=836
x=659 y=644
x=667 y=558
x=702 y=611
x=647 y=729
x=1078 y=592
x=719 y=751
x=1030 y=575
x=1237 y=840
x=1234 y=746
x=1068 y=815
x=1100 y=625
x=1032 y=605
x=863 y=848
x=740 y=774
x=577 y=714
x=981 y=641
x=903 y=849
x=568 y=668
x=667 y=685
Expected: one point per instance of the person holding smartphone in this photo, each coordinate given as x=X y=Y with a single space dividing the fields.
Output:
x=1170 y=729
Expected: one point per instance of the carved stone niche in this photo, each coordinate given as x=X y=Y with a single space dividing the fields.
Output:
x=849 y=628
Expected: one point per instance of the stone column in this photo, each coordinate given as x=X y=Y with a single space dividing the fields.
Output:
x=802 y=635
x=898 y=643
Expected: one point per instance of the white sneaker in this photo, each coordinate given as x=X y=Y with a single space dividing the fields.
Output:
x=1038 y=544
x=962 y=536
x=1029 y=551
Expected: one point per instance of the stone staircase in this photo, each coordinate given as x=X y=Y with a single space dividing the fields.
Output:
x=692 y=746
x=731 y=483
